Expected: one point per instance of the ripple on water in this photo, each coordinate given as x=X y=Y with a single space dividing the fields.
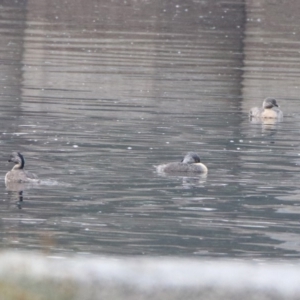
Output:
x=94 y=105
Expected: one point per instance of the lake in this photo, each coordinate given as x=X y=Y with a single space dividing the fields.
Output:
x=95 y=93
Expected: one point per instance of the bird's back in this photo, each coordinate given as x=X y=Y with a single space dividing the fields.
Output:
x=255 y=112
x=178 y=167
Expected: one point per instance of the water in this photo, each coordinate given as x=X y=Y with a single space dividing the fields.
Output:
x=95 y=95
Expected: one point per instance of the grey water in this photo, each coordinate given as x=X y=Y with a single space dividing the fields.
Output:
x=95 y=93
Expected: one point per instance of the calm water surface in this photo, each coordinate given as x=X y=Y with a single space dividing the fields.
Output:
x=94 y=94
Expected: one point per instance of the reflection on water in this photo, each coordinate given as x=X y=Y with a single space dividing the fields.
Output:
x=94 y=102
x=16 y=198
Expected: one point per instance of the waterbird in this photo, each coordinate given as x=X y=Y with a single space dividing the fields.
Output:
x=269 y=110
x=17 y=173
x=189 y=164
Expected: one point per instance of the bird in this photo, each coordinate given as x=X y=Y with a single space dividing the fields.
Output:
x=269 y=110
x=17 y=173
x=189 y=164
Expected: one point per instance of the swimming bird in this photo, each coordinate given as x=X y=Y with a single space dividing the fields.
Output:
x=189 y=164
x=269 y=110
x=17 y=173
